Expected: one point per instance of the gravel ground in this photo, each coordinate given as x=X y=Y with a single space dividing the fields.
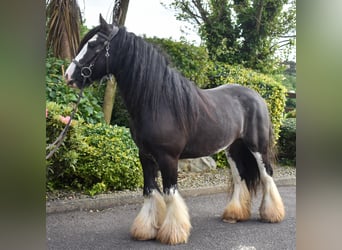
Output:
x=186 y=180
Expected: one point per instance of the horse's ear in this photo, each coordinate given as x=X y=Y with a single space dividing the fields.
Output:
x=105 y=27
x=102 y=21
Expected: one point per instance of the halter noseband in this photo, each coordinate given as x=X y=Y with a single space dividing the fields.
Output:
x=86 y=71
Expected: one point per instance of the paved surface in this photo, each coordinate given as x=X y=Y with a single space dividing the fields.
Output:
x=104 y=201
x=109 y=228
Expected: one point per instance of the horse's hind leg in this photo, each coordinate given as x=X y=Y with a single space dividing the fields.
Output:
x=239 y=206
x=272 y=207
x=152 y=213
x=176 y=226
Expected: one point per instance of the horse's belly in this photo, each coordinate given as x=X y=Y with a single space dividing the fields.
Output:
x=209 y=146
x=212 y=135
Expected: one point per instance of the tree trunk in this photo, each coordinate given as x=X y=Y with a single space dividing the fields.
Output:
x=260 y=9
x=110 y=91
x=109 y=99
x=63 y=28
x=65 y=50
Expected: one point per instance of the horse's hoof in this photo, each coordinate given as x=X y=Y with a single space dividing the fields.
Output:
x=231 y=221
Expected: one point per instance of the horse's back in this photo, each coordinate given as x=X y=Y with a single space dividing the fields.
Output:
x=235 y=101
x=234 y=91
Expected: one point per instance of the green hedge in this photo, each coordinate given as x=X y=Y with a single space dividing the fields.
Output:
x=191 y=60
x=287 y=142
x=93 y=158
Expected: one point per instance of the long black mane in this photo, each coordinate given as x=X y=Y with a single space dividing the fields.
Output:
x=147 y=80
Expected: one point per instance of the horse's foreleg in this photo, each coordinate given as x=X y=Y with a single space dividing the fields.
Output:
x=239 y=206
x=176 y=226
x=272 y=207
x=152 y=213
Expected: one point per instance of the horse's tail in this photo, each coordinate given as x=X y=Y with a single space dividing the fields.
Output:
x=246 y=164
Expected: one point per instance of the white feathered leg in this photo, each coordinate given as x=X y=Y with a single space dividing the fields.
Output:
x=176 y=226
x=272 y=207
x=239 y=205
x=150 y=217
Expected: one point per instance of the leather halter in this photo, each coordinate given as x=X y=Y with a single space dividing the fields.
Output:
x=86 y=71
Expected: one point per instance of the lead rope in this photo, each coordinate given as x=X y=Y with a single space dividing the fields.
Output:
x=56 y=144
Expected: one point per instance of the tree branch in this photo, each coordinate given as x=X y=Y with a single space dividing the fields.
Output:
x=201 y=10
x=259 y=15
x=285 y=42
x=291 y=36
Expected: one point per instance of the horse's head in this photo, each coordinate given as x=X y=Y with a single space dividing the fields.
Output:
x=92 y=60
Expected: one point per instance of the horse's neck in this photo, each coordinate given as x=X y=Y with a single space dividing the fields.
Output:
x=147 y=84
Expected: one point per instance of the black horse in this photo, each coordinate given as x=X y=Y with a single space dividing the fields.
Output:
x=172 y=119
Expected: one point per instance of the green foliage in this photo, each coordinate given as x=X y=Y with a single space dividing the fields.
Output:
x=93 y=158
x=110 y=155
x=247 y=33
x=291 y=114
x=90 y=107
x=186 y=57
x=290 y=81
x=57 y=163
x=221 y=160
x=120 y=114
x=287 y=142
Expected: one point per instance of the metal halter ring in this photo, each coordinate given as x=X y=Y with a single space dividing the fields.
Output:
x=86 y=71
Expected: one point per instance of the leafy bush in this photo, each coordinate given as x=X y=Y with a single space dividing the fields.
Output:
x=90 y=107
x=291 y=114
x=120 y=114
x=93 y=158
x=65 y=156
x=221 y=160
x=287 y=142
x=187 y=58
x=109 y=156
